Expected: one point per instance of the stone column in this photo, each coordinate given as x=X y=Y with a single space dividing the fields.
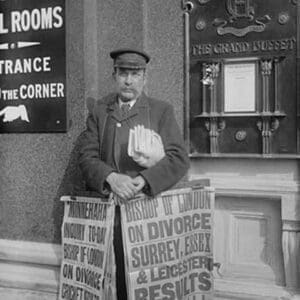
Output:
x=291 y=253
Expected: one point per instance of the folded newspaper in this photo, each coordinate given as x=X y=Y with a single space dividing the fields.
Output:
x=145 y=146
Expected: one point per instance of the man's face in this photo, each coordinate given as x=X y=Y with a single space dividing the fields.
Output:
x=129 y=83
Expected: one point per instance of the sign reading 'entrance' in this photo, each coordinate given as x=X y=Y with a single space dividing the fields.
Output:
x=32 y=66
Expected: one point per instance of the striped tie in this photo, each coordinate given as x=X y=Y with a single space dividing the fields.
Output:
x=125 y=109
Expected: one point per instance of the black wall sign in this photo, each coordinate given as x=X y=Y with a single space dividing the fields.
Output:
x=32 y=66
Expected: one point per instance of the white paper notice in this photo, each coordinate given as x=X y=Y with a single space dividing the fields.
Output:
x=239 y=85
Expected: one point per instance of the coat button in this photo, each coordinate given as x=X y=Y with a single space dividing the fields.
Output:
x=119 y=124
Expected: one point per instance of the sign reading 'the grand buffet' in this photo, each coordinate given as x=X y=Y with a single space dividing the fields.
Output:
x=32 y=66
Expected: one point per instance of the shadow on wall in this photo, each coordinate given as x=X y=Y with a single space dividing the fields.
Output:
x=298 y=215
x=72 y=183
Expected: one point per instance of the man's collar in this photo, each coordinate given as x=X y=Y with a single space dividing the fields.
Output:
x=113 y=100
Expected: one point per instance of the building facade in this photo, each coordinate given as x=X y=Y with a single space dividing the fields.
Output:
x=257 y=215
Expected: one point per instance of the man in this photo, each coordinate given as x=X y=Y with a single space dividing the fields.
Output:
x=155 y=158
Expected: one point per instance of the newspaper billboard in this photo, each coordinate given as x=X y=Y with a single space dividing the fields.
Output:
x=86 y=242
x=169 y=245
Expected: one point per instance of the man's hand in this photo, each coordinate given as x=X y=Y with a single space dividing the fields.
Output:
x=122 y=185
x=139 y=183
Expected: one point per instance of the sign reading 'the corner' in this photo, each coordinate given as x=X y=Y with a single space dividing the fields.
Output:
x=32 y=66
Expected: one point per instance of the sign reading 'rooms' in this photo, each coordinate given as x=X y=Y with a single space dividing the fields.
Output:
x=32 y=66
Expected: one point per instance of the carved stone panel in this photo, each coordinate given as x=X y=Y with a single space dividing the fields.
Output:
x=241 y=224
x=224 y=40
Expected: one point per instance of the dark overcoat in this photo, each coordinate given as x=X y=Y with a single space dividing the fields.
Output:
x=97 y=151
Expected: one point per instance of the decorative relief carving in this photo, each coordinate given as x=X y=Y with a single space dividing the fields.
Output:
x=203 y=1
x=187 y=5
x=283 y=18
x=211 y=72
x=200 y=24
x=267 y=126
x=277 y=105
x=266 y=67
x=266 y=70
x=240 y=10
x=215 y=69
x=274 y=124
x=214 y=126
x=260 y=26
x=240 y=135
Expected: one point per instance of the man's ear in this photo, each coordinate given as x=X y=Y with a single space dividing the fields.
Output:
x=114 y=73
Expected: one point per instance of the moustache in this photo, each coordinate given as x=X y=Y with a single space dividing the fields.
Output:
x=128 y=90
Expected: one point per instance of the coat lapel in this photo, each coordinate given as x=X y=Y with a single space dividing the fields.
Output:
x=139 y=113
x=113 y=108
x=140 y=110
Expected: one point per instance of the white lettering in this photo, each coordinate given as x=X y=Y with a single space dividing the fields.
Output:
x=25 y=20
x=41 y=90
x=56 y=14
x=37 y=19
x=2 y=28
x=25 y=65
x=46 y=15
x=15 y=21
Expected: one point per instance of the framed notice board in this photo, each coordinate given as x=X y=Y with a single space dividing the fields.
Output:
x=242 y=78
x=32 y=66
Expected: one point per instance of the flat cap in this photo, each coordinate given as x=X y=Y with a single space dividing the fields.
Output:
x=130 y=58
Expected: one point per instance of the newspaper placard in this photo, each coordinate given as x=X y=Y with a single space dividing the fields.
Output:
x=86 y=242
x=169 y=246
